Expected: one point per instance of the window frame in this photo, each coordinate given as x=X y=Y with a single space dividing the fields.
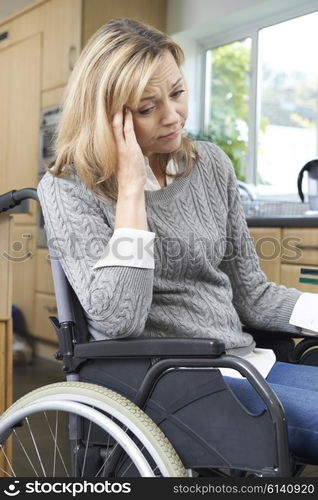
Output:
x=250 y=30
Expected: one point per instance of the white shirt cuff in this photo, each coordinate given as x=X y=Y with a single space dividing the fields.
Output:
x=305 y=313
x=130 y=248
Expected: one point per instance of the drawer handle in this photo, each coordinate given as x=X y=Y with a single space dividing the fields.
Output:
x=315 y=247
x=51 y=309
x=308 y=281
x=308 y=270
x=4 y=35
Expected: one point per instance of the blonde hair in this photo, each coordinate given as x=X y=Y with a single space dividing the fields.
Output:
x=111 y=72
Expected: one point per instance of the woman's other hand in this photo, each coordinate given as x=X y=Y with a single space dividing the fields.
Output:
x=131 y=171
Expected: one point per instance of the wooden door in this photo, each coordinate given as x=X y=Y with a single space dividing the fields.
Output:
x=20 y=117
x=22 y=255
x=4 y=114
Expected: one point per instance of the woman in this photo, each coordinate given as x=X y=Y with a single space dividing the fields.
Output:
x=148 y=224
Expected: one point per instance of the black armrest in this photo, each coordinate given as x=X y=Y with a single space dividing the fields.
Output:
x=149 y=347
x=283 y=344
x=271 y=335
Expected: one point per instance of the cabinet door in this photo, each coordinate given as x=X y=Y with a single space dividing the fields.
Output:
x=4 y=114
x=5 y=388
x=98 y=12
x=267 y=242
x=22 y=256
x=62 y=40
x=5 y=366
x=5 y=32
x=20 y=116
x=300 y=245
x=43 y=275
x=52 y=97
x=5 y=266
x=290 y=275
x=45 y=306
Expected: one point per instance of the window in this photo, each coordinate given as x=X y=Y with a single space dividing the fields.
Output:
x=261 y=103
x=228 y=69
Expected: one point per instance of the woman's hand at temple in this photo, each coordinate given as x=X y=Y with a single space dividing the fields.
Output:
x=131 y=175
x=131 y=171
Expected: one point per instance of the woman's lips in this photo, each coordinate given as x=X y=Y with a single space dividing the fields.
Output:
x=170 y=137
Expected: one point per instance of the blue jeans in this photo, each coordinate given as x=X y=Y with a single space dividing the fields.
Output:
x=296 y=386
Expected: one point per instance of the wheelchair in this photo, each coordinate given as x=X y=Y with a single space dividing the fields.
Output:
x=148 y=420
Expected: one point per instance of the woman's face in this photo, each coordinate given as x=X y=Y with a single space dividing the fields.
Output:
x=163 y=110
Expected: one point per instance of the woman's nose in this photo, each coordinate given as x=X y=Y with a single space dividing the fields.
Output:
x=169 y=113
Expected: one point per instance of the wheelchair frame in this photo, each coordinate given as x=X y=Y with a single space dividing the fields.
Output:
x=167 y=356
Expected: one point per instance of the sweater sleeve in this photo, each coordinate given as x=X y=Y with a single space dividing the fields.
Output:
x=129 y=247
x=116 y=299
x=259 y=303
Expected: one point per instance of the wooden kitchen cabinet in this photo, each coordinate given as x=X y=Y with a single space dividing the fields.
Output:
x=299 y=252
x=5 y=266
x=6 y=385
x=66 y=26
x=59 y=23
x=24 y=24
x=20 y=88
x=267 y=242
x=5 y=324
x=43 y=274
x=52 y=97
x=45 y=306
x=46 y=342
x=62 y=23
x=300 y=245
x=284 y=252
x=98 y=12
x=290 y=275
x=4 y=114
x=19 y=117
x=22 y=255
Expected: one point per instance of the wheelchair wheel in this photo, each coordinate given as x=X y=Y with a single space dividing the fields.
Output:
x=108 y=436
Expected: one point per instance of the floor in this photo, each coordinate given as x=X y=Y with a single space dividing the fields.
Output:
x=27 y=377
x=41 y=372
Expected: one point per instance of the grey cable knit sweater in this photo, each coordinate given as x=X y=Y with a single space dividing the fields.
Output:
x=206 y=279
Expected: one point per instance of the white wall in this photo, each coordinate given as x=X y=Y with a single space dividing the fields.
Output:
x=201 y=18
x=192 y=22
x=9 y=7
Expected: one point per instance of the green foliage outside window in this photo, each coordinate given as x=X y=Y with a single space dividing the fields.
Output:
x=229 y=103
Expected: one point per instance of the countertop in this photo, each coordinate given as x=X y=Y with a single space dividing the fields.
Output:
x=279 y=213
x=283 y=221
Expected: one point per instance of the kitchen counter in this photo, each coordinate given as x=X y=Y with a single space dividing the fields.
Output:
x=283 y=221
x=279 y=213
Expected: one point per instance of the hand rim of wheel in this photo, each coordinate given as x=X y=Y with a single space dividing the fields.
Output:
x=84 y=411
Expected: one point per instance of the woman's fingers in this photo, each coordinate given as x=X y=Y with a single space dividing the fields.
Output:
x=130 y=168
x=118 y=129
x=129 y=131
x=123 y=127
